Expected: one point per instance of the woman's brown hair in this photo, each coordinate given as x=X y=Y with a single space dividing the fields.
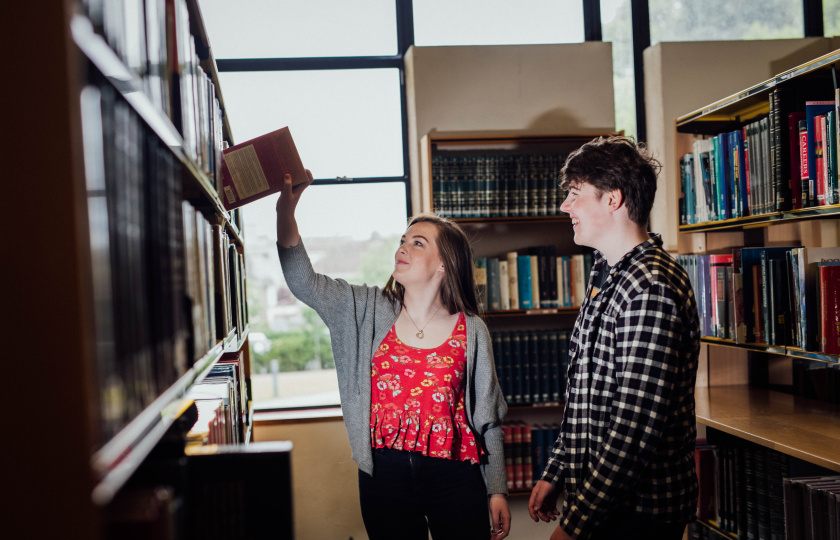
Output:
x=458 y=289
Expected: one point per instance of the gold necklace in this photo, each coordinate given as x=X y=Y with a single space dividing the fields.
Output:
x=420 y=333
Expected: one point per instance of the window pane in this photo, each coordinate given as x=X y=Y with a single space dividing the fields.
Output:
x=713 y=20
x=831 y=17
x=275 y=29
x=344 y=122
x=497 y=22
x=616 y=27
x=350 y=232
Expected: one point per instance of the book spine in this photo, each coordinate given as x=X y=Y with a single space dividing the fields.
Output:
x=513 y=279
x=504 y=285
x=523 y=263
x=829 y=283
x=804 y=168
x=494 y=288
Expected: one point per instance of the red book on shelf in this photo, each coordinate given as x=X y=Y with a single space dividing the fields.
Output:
x=255 y=169
x=518 y=478
x=507 y=430
x=795 y=166
x=527 y=457
x=829 y=276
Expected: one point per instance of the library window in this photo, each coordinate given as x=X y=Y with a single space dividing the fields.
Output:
x=300 y=29
x=347 y=124
x=725 y=20
x=497 y=22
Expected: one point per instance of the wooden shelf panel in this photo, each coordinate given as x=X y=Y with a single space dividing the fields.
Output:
x=530 y=312
x=792 y=352
x=764 y=220
x=799 y=427
x=97 y=50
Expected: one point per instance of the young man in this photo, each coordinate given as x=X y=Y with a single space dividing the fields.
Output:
x=625 y=454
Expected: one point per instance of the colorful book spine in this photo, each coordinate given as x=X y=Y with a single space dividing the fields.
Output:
x=523 y=264
x=829 y=282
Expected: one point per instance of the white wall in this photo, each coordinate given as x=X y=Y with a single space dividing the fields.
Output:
x=682 y=77
x=546 y=89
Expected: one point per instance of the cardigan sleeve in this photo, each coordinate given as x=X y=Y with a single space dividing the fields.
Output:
x=490 y=410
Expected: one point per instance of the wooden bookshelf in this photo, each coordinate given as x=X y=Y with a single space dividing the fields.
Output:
x=66 y=459
x=747 y=390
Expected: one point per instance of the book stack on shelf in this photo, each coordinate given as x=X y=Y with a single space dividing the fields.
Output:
x=527 y=448
x=781 y=160
x=776 y=296
x=759 y=238
x=482 y=185
x=531 y=365
x=532 y=278
x=750 y=491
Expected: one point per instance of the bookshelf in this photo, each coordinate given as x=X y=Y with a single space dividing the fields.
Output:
x=120 y=316
x=472 y=170
x=754 y=387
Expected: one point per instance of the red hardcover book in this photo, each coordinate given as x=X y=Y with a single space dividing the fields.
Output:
x=829 y=277
x=255 y=169
x=527 y=457
x=507 y=430
x=819 y=155
x=518 y=477
x=795 y=166
x=804 y=184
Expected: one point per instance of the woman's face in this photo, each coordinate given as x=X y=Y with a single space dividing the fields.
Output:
x=417 y=260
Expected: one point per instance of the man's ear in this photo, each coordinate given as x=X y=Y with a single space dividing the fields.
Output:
x=615 y=199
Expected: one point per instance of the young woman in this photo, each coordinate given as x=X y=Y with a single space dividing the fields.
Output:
x=418 y=387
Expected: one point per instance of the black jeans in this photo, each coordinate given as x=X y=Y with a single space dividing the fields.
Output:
x=410 y=495
x=625 y=524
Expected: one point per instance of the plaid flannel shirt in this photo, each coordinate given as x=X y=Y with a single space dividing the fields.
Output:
x=628 y=432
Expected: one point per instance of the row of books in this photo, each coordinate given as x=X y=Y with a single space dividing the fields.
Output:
x=532 y=278
x=532 y=365
x=496 y=185
x=780 y=296
x=755 y=492
x=781 y=161
x=222 y=402
x=153 y=261
x=527 y=449
x=154 y=40
x=741 y=488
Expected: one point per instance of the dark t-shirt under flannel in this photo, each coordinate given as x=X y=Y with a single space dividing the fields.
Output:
x=628 y=431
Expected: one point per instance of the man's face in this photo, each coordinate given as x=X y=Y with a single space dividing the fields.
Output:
x=589 y=210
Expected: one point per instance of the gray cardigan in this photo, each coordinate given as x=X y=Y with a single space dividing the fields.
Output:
x=359 y=317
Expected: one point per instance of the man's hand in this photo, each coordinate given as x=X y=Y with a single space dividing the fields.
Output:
x=500 y=516
x=543 y=502
x=560 y=534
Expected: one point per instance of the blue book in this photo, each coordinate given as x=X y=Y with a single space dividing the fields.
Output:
x=545 y=363
x=516 y=366
x=523 y=269
x=722 y=177
x=554 y=355
x=526 y=365
x=507 y=367
x=704 y=295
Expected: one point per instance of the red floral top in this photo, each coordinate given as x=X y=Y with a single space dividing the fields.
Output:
x=417 y=398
